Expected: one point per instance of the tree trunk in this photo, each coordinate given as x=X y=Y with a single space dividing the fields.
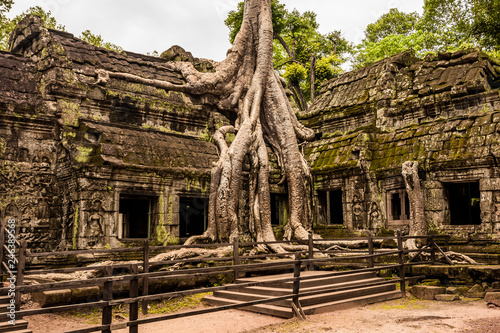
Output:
x=418 y=225
x=247 y=85
x=264 y=114
x=312 y=70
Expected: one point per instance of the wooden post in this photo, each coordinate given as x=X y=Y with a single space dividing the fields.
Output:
x=21 y=264
x=296 y=282
x=371 y=260
x=145 y=280
x=134 y=307
x=107 y=295
x=236 y=257
x=401 y=256
x=310 y=246
x=433 y=247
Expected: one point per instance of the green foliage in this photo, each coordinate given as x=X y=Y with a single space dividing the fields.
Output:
x=5 y=6
x=445 y=25
x=295 y=73
x=327 y=68
x=98 y=41
x=486 y=22
x=393 y=22
x=369 y=52
x=7 y=26
x=50 y=22
x=449 y=21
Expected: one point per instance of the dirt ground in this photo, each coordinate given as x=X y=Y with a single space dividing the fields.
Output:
x=410 y=315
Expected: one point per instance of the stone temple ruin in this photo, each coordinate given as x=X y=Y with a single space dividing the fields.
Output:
x=86 y=163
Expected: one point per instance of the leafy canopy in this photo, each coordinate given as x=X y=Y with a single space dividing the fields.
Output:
x=8 y=25
x=445 y=25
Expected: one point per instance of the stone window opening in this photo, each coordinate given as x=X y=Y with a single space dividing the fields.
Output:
x=279 y=209
x=464 y=203
x=193 y=216
x=398 y=207
x=135 y=216
x=331 y=207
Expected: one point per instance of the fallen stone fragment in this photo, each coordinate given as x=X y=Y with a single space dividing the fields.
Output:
x=476 y=291
x=427 y=292
x=446 y=297
x=493 y=298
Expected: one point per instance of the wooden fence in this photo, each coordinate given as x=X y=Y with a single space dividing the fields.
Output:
x=308 y=257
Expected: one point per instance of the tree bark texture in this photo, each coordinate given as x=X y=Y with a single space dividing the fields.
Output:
x=418 y=225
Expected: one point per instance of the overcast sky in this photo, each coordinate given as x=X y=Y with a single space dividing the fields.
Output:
x=197 y=25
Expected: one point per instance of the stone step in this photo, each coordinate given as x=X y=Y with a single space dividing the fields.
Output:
x=268 y=309
x=20 y=326
x=346 y=294
x=329 y=280
x=285 y=290
x=241 y=295
x=351 y=302
x=267 y=291
x=319 y=279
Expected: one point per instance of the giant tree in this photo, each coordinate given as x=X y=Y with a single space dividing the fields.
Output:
x=247 y=85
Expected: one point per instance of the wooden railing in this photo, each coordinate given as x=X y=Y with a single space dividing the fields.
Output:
x=308 y=257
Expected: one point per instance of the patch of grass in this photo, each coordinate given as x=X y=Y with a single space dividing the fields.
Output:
x=177 y=304
x=404 y=304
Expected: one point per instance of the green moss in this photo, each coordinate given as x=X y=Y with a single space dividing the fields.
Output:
x=84 y=154
x=177 y=304
x=70 y=113
x=67 y=134
x=3 y=146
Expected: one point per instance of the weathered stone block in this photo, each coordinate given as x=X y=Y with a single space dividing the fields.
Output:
x=53 y=297
x=431 y=282
x=476 y=291
x=462 y=290
x=85 y=294
x=493 y=297
x=452 y=291
x=426 y=292
x=446 y=297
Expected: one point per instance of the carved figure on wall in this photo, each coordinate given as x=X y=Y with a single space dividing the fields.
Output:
x=42 y=211
x=23 y=155
x=374 y=216
x=95 y=225
x=358 y=213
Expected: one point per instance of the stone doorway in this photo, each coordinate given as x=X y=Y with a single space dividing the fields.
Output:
x=463 y=201
x=193 y=216
x=135 y=216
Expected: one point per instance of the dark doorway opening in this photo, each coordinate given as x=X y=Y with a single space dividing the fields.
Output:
x=463 y=200
x=398 y=208
x=279 y=209
x=331 y=210
x=193 y=216
x=400 y=205
x=135 y=216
